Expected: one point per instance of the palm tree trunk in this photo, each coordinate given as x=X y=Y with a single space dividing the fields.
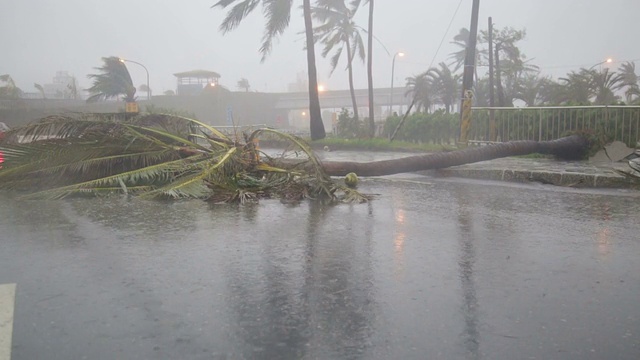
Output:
x=572 y=147
x=351 y=88
x=372 y=124
x=316 y=126
x=499 y=88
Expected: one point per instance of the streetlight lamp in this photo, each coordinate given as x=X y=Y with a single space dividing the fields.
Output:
x=145 y=69
x=608 y=61
x=393 y=66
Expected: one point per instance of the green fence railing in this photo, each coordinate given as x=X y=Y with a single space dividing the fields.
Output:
x=620 y=123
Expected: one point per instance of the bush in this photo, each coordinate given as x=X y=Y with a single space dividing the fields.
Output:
x=438 y=127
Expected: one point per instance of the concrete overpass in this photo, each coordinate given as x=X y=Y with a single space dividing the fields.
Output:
x=337 y=99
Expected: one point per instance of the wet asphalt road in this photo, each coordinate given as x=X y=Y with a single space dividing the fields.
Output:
x=436 y=269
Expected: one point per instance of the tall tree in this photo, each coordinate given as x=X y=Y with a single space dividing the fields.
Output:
x=629 y=79
x=528 y=89
x=243 y=84
x=605 y=84
x=445 y=85
x=372 y=126
x=8 y=88
x=419 y=88
x=145 y=88
x=278 y=15
x=511 y=65
x=72 y=89
x=112 y=81
x=552 y=92
x=578 y=86
x=338 y=31
x=461 y=40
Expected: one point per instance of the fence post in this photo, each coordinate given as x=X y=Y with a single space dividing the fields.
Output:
x=540 y=126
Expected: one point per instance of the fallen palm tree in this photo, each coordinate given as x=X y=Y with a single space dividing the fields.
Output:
x=569 y=148
x=168 y=156
x=159 y=156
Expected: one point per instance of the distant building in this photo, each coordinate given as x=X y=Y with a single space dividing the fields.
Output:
x=194 y=81
x=64 y=86
x=301 y=84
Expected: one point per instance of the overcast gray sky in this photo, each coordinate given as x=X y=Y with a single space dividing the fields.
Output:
x=40 y=37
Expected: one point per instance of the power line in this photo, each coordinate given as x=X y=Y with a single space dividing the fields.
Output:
x=445 y=34
x=582 y=65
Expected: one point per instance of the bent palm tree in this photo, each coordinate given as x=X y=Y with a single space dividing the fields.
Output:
x=572 y=147
x=445 y=85
x=629 y=80
x=9 y=90
x=40 y=90
x=606 y=83
x=419 y=88
x=157 y=156
x=113 y=80
x=338 y=30
x=278 y=14
x=243 y=84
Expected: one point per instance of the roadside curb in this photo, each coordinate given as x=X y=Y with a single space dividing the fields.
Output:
x=558 y=178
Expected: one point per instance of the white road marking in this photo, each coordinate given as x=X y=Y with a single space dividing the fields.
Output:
x=7 y=303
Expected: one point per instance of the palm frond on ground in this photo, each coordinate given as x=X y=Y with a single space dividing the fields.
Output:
x=158 y=156
x=634 y=173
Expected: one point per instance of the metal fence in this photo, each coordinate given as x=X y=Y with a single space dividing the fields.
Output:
x=620 y=123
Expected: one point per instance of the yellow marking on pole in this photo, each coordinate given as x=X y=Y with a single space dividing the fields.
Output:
x=465 y=123
x=7 y=304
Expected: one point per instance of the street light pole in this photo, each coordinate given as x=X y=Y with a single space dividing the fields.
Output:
x=393 y=66
x=145 y=69
x=608 y=61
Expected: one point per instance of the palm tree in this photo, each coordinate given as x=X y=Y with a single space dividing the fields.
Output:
x=9 y=90
x=145 y=88
x=445 y=85
x=356 y=4
x=629 y=80
x=419 y=88
x=278 y=14
x=338 y=30
x=510 y=62
x=40 y=89
x=72 y=88
x=244 y=84
x=461 y=39
x=605 y=84
x=552 y=92
x=528 y=89
x=112 y=81
x=154 y=156
x=579 y=86
x=372 y=125
x=571 y=148
x=481 y=92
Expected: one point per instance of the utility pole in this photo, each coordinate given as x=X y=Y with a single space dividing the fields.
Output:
x=467 y=77
x=492 y=116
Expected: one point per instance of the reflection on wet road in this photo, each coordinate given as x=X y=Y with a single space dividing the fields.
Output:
x=430 y=269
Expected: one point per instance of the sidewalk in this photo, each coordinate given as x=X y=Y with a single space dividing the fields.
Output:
x=581 y=174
